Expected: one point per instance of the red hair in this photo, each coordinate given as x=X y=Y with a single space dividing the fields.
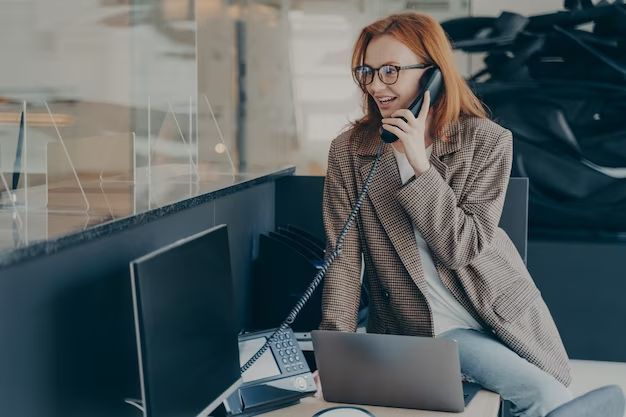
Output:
x=425 y=37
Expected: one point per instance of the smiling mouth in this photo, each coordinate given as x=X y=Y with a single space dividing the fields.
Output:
x=386 y=100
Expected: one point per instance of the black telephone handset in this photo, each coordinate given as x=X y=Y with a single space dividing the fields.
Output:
x=431 y=81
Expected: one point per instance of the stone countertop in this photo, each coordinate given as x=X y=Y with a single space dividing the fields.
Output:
x=27 y=234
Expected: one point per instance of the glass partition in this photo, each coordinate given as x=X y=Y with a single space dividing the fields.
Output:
x=110 y=108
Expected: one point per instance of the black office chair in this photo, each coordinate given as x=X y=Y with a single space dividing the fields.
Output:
x=607 y=401
x=514 y=218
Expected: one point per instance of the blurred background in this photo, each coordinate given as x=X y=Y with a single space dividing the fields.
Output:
x=276 y=74
x=132 y=104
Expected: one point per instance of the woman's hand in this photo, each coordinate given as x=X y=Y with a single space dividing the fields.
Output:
x=318 y=384
x=412 y=135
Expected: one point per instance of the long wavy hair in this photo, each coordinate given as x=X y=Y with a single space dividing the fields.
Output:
x=426 y=38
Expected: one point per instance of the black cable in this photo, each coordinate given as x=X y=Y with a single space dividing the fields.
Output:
x=328 y=260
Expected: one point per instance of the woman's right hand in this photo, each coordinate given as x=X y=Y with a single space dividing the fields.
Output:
x=318 y=384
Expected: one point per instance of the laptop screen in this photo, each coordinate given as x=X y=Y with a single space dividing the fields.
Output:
x=185 y=323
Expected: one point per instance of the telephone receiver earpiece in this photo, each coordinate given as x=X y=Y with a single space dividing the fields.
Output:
x=432 y=81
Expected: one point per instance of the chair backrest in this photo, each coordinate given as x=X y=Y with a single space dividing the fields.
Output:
x=299 y=202
x=514 y=219
x=607 y=401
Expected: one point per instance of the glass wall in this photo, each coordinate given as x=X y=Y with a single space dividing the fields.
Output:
x=299 y=88
x=109 y=108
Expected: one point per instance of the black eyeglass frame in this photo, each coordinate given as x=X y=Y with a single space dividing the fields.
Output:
x=377 y=70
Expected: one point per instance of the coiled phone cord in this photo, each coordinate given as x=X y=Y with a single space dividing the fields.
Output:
x=328 y=260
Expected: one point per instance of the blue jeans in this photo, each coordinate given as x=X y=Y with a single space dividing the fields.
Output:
x=485 y=360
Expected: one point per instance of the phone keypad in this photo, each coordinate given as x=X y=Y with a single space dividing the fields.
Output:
x=288 y=354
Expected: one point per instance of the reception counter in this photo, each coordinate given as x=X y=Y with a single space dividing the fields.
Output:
x=66 y=321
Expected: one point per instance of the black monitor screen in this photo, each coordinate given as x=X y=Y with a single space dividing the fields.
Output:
x=185 y=324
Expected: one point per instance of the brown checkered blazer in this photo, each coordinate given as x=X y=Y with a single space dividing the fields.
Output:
x=456 y=207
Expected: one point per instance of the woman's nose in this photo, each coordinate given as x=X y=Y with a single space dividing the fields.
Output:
x=377 y=85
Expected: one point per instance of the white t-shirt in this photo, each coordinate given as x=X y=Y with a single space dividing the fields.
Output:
x=447 y=312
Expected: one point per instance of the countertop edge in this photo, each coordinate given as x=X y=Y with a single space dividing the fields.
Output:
x=41 y=248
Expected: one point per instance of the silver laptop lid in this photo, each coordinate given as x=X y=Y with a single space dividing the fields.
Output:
x=388 y=370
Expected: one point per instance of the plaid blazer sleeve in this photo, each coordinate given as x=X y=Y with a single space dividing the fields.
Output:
x=457 y=230
x=342 y=283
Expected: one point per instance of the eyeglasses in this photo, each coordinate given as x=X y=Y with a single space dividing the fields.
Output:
x=388 y=74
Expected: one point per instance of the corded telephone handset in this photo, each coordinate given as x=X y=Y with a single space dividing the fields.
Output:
x=283 y=379
x=431 y=81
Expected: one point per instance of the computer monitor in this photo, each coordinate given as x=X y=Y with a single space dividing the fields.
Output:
x=184 y=321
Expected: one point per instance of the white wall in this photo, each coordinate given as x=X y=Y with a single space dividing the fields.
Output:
x=526 y=8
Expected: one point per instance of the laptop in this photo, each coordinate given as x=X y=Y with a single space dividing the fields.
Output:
x=391 y=371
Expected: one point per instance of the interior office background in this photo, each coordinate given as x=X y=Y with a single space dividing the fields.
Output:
x=146 y=90
x=109 y=66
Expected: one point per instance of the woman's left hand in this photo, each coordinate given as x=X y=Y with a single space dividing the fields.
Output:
x=412 y=134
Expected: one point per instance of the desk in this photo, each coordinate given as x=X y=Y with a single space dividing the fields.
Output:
x=484 y=404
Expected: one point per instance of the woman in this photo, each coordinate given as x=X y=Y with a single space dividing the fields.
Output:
x=436 y=263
